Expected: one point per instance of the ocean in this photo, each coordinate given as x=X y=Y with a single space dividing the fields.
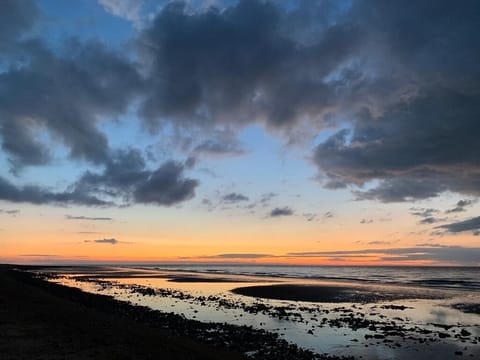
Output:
x=428 y=276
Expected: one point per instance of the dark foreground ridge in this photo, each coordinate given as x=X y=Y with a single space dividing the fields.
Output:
x=43 y=320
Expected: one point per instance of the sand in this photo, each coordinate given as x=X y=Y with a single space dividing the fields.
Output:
x=38 y=324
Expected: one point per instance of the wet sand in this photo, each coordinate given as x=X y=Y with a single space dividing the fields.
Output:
x=40 y=320
x=329 y=293
x=44 y=320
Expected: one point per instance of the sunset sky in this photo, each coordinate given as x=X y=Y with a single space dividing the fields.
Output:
x=296 y=132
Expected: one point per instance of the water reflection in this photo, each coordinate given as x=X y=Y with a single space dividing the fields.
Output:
x=335 y=328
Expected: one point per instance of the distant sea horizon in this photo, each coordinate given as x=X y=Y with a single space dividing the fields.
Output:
x=449 y=277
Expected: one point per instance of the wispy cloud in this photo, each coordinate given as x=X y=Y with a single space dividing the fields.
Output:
x=111 y=241
x=70 y=217
x=234 y=197
x=434 y=253
x=236 y=256
x=460 y=206
x=9 y=212
x=461 y=226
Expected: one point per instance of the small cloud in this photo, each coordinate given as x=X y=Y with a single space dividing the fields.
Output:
x=379 y=242
x=265 y=198
x=234 y=197
x=366 y=221
x=70 y=217
x=328 y=215
x=285 y=211
x=423 y=212
x=430 y=220
x=111 y=241
x=38 y=255
x=9 y=212
x=310 y=216
x=236 y=256
x=460 y=206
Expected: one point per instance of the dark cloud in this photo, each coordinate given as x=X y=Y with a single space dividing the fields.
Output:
x=461 y=226
x=420 y=142
x=166 y=186
x=460 y=206
x=124 y=180
x=70 y=217
x=111 y=241
x=285 y=211
x=423 y=212
x=399 y=83
x=16 y=18
x=234 y=197
x=127 y=180
x=64 y=93
x=444 y=253
x=239 y=65
x=37 y=195
x=430 y=220
x=366 y=221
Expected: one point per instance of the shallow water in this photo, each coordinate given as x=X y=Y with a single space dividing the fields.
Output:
x=425 y=328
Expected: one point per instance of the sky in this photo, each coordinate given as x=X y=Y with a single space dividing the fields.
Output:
x=267 y=132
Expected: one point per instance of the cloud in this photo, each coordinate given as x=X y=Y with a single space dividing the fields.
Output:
x=442 y=253
x=461 y=226
x=460 y=206
x=37 y=195
x=166 y=186
x=403 y=105
x=38 y=255
x=249 y=62
x=328 y=215
x=111 y=241
x=9 y=212
x=70 y=217
x=310 y=216
x=125 y=9
x=64 y=93
x=236 y=256
x=220 y=143
x=16 y=18
x=430 y=220
x=234 y=197
x=419 y=143
x=379 y=242
x=285 y=211
x=423 y=212
x=125 y=180
x=366 y=221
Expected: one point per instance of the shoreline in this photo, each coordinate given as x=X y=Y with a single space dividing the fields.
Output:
x=150 y=332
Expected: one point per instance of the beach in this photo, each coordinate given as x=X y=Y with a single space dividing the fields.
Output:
x=53 y=322
x=44 y=320
x=275 y=317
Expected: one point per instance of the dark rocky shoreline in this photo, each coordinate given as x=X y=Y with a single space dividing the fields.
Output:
x=257 y=344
